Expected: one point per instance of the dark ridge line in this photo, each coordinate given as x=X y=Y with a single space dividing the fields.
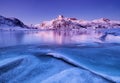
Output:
x=11 y=65
x=76 y=65
x=64 y=60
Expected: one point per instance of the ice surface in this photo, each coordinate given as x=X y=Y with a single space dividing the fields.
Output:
x=60 y=57
x=75 y=75
x=12 y=38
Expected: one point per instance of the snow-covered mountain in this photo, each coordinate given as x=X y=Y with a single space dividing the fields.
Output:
x=59 y=23
x=63 y=23
x=11 y=23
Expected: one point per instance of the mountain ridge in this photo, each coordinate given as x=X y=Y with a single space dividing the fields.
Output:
x=62 y=22
x=6 y=22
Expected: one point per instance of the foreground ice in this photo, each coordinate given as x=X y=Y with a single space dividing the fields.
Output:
x=59 y=57
x=45 y=64
x=75 y=75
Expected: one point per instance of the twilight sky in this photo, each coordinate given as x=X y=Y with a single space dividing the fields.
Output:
x=36 y=11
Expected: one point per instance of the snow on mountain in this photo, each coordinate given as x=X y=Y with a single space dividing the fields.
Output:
x=63 y=23
x=60 y=23
x=11 y=23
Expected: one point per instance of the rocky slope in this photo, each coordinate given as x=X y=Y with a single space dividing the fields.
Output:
x=11 y=23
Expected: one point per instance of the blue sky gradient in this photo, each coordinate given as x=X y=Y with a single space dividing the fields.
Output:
x=36 y=11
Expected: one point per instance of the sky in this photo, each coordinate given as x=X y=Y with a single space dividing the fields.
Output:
x=36 y=11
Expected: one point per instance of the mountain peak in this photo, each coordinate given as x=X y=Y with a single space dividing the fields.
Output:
x=60 y=17
x=105 y=19
x=102 y=20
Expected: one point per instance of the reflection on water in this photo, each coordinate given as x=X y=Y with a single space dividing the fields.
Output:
x=52 y=37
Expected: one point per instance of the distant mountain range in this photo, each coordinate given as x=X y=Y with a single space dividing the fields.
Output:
x=60 y=23
x=63 y=23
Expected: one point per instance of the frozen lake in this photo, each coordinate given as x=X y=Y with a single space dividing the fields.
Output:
x=59 y=57
x=14 y=38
